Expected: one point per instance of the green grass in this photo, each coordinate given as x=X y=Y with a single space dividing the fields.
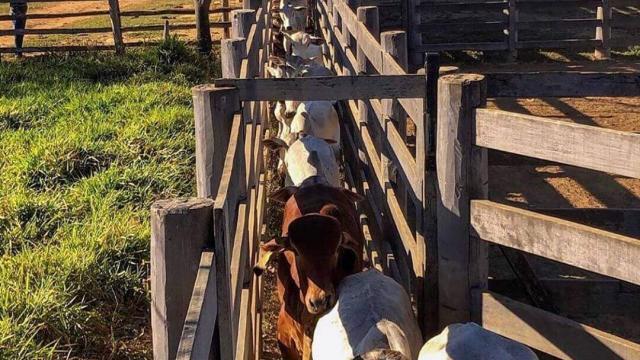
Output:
x=87 y=143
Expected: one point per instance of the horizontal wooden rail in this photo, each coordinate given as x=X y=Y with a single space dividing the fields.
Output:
x=550 y=333
x=487 y=46
x=122 y=13
x=551 y=44
x=463 y=26
x=328 y=88
x=578 y=245
x=590 y=147
x=199 y=324
x=562 y=84
x=80 y=48
x=461 y=6
x=533 y=24
x=99 y=30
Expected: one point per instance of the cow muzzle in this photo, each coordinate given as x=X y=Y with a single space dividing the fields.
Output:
x=320 y=303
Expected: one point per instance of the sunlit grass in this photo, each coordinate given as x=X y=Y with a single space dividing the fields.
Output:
x=87 y=143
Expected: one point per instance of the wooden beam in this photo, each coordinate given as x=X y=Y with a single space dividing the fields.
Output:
x=578 y=245
x=327 y=88
x=563 y=84
x=180 y=229
x=461 y=177
x=232 y=51
x=550 y=333
x=199 y=325
x=585 y=146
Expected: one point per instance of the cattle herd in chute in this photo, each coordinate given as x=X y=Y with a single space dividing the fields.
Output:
x=331 y=306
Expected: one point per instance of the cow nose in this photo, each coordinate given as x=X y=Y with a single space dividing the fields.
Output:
x=290 y=114
x=320 y=304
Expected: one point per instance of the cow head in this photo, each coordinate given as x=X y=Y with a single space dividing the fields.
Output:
x=320 y=228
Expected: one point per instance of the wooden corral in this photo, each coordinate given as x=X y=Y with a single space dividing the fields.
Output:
x=116 y=17
x=463 y=258
x=416 y=147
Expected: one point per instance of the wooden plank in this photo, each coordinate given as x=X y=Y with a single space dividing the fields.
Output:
x=534 y=24
x=568 y=143
x=487 y=46
x=232 y=52
x=463 y=26
x=239 y=259
x=230 y=191
x=244 y=344
x=200 y=322
x=563 y=84
x=458 y=96
x=180 y=229
x=578 y=245
x=327 y=88
x=550 y=333
x=622 y=221
x=557 y=44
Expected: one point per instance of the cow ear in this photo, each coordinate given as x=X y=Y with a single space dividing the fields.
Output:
x=275 y=72
x=347 y=260
x=355 y=197
x=283 y=194
x=275 y=144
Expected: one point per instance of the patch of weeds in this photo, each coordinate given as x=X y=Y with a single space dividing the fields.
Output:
x=48 y=173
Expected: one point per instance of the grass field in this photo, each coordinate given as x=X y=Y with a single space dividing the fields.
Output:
x=87 y=143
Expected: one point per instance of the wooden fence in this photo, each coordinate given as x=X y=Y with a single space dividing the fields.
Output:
x=116 y=17
x=389 y=149
x=205 y=298
x=467 y=221
x=511 y=25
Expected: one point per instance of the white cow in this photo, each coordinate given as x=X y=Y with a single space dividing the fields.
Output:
x=304 y=45
x=317 y=118
x=306 y=157
x=294 y=18
x=372 y=319
x=472 y=342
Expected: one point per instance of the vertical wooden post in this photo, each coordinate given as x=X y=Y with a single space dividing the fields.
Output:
x=203 y=26
x=232 y=51
x=225 y=18
x=251 y=4
x=512 y=31
x=426 y=211
x=166 y=31
x=180 y=229
x=603 y=31
x=213 y=110
x=116 y=25
x=415 y=35
x=241 y=21
x=461 y=177
x=395 y=43
x=368 y=15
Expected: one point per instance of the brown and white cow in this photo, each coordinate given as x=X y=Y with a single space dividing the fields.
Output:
x=321 y=243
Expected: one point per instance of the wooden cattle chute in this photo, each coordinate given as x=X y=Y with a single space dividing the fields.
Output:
x=502 y=22
x=387 y=164
x=205 y=298
x=117 y=29
x=467 y=221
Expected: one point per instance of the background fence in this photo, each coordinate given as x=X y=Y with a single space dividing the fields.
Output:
x=512 y=25
x=117 y=19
